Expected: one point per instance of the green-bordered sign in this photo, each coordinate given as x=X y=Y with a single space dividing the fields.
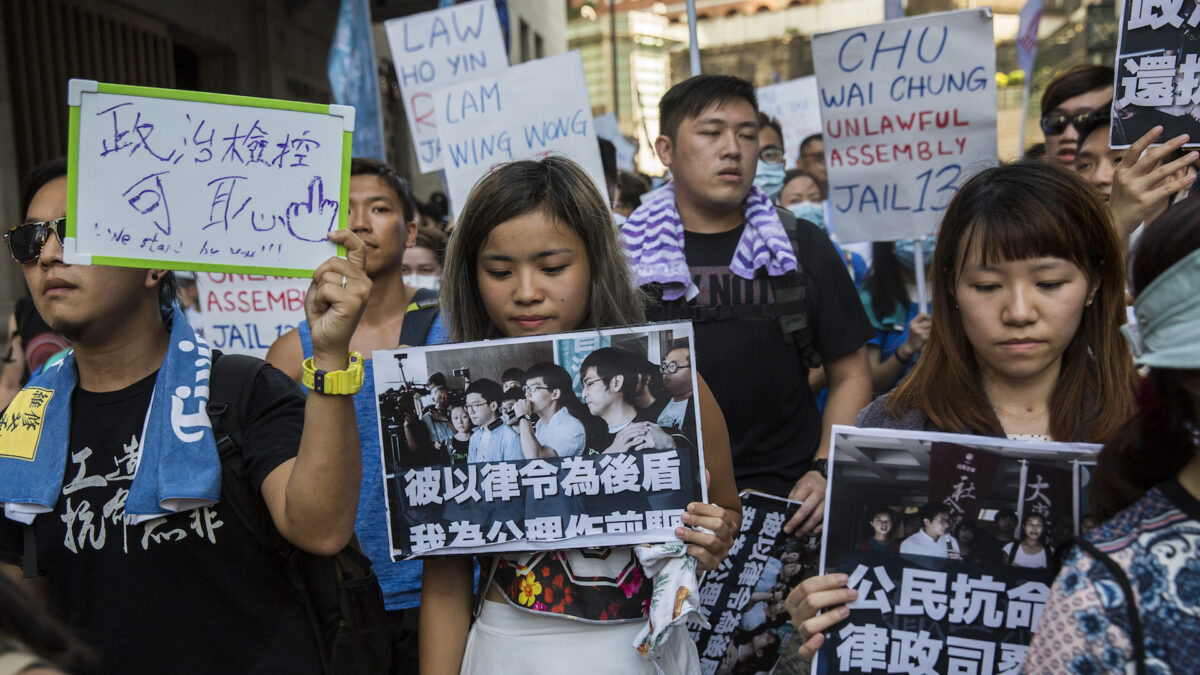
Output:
x=207 y=182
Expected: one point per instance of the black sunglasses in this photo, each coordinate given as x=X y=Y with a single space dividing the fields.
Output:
x=25 y=241
x=1052 y=125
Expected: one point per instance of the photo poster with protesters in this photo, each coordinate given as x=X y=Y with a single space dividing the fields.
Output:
x=926 y=525
x=908 y=110
x=743 y=599
x=246 y=313
x=1157 y=72
x=595 y=471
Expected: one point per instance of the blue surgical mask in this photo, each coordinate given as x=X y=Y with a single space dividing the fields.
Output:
x=769 y=177
x=906 y=253
x=813 y=212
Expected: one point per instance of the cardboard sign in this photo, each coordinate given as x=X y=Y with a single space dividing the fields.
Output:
x=530 y=111
x=207 y=182
x=909 y=114
x=436 y=49
x=1158 y=72
x=941 y=586
x=245 y=314
x=563 y=481
x=797 y=106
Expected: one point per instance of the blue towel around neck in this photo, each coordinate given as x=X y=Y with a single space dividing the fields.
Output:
x=178 y=468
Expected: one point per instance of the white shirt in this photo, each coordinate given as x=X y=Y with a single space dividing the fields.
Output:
x=672 y=415
x=921 y=543
x=501 y=444
x=1023 y=559
x=562 y=432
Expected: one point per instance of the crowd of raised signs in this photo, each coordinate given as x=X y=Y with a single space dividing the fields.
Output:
x=1063 y=303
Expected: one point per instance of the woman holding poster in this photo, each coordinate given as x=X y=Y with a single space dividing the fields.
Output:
x=1126 y=598
x=1027 y=304
x=534 y=252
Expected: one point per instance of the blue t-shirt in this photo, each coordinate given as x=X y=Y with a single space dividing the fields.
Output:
x=400 y=581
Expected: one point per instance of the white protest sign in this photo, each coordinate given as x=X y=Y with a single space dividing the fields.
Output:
x=530 y=111
x=609 y=129
x=196 y=181
x=437 y=49
x=797 y=106
x=908 y=109
x=244 y=313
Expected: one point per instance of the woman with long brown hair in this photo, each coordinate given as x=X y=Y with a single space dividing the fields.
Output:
x=1028 y=300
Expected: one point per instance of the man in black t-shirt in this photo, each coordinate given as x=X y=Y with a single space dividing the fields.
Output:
x=778 y=437
x=192 y=591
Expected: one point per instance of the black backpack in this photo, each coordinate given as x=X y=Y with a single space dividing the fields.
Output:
x=419 y=317
x=788 y=309
x=341 y=594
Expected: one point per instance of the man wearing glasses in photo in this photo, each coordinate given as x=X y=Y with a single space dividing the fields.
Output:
x=812 y=158
x=493 y=440
x=609 y=379
x=934 y=539
x=679 y=415
x=549 y=396
x=1067 y=103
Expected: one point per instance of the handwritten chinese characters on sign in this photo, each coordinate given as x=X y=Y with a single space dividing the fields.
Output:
x=187 y=180
x=908 y=109
x=1157 y=71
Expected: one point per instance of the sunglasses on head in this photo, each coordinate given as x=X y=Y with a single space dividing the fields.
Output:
x=1052 y=125
x=25 y=241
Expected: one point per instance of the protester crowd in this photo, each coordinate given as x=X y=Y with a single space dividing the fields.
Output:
x=793 y=333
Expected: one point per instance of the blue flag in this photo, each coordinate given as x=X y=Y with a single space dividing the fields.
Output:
x=353 y=77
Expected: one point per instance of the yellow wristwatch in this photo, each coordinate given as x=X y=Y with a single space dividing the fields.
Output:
x=335 y=382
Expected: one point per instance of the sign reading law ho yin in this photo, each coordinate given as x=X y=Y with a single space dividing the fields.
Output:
x=536 y=109
x=797 y=106
x=909 y=114
x=436 y=49
x=245 y=313
x=208 y=182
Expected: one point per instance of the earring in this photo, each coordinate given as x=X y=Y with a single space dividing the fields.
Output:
x=154 y=276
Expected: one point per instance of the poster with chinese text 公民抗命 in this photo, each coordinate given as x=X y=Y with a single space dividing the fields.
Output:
x=743 y=600
x=950 y=541
x=545 y=442
x=1157 y=72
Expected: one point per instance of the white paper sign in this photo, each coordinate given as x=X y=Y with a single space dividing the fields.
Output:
x=909 y=114
x=244 y=313
x=437 y=49
x=536 y=109
x=608 y=128
x=797 y=106
x=197 y=181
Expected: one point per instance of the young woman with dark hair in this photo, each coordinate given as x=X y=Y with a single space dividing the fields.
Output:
x=1028 y=298
x=1032 y=550
x=534 y=252
x=1126 y=599
x=889 y=294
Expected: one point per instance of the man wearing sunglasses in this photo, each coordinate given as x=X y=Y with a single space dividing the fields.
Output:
x=193 y=589
x=1067 y=104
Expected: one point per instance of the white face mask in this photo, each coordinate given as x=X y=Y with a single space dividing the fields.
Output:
x=432 y=282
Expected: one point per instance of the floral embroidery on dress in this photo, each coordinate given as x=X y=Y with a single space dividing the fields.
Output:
x=595 y=585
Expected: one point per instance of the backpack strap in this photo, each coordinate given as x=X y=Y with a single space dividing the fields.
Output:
x=419 y=317
x=1136 y=633
x=790 y=296
x=231 y=387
